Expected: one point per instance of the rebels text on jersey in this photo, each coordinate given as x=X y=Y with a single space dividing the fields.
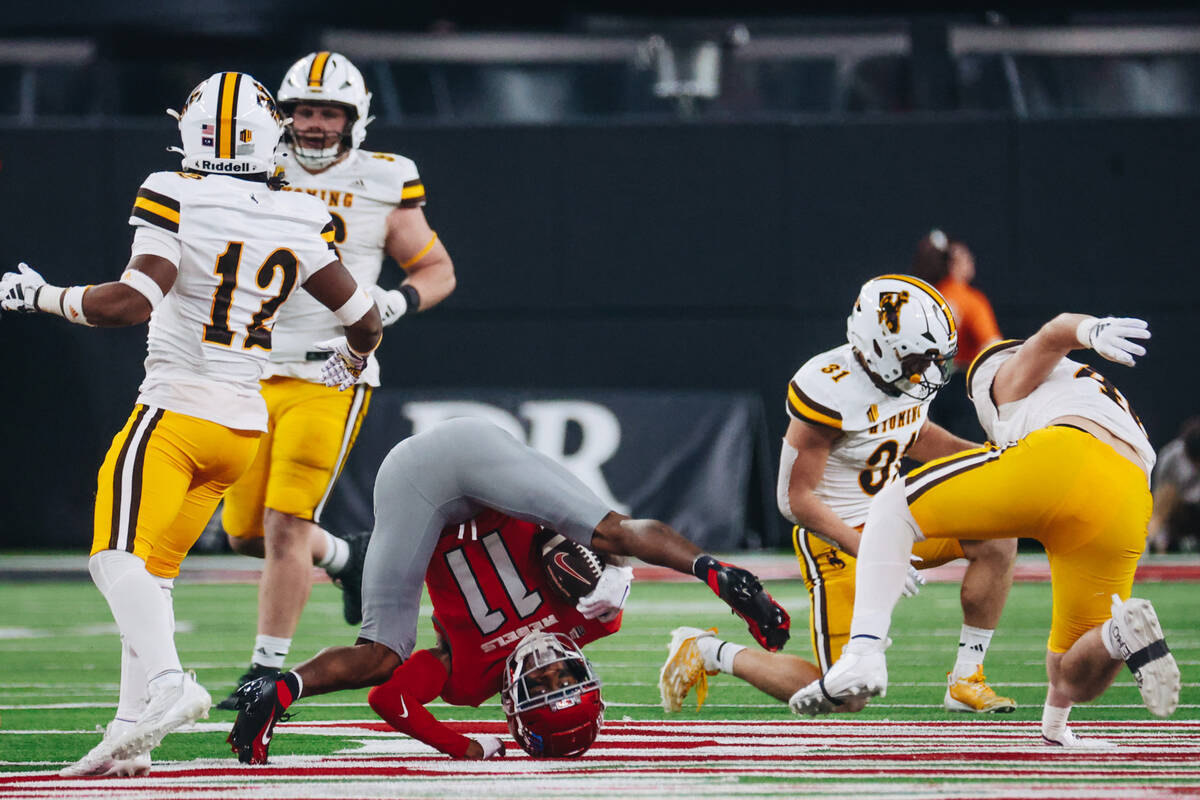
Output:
x=835 y=391
x=359 y=192
x=240 y=251
x=488 y=591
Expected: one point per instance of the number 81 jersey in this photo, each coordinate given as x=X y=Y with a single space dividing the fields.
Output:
x=834 y=390
x=240 y=250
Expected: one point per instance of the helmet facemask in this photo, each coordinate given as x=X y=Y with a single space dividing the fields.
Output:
x=335 y=142
x=551 y=696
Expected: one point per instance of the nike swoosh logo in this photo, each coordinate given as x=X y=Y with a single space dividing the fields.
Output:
x=561 y=560
x=266 y=737
x=403 y=708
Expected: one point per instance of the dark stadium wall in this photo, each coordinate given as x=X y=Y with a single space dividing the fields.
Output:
x=680 y=256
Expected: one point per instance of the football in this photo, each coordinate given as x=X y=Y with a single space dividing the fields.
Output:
x=571 y=569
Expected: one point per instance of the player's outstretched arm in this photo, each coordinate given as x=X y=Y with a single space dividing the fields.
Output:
x=128 y=301
x=1111 y=337
x=658 y=543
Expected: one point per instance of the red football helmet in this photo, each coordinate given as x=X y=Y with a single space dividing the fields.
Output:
x=551 y=696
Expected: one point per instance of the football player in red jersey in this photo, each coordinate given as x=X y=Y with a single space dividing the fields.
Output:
x=450 y=477
x=489 y=595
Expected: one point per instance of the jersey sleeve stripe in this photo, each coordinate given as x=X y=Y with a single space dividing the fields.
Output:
x=804 y=407
x=169 y=202
x=156 y=214
x=986 y=353
x=413 y=194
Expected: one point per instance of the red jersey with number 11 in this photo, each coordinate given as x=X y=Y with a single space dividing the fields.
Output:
x=488 y=591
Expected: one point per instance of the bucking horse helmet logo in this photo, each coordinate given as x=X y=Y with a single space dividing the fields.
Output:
x=889 y=309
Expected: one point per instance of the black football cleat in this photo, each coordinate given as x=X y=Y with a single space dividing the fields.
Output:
x=255 y=672
x=350 y=578
x=259 y=708
x=769 y=623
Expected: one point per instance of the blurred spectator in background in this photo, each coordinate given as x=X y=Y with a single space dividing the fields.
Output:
x=949 y=265
x=1175 y=522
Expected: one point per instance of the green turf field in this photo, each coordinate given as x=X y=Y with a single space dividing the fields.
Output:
x=59 y=665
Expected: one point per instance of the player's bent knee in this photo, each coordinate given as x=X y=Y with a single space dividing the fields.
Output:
x=890 y=512
x=246 y=546
x=997 y=551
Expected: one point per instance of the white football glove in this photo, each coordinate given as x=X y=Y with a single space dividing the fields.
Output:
x=344 y=366
x=391 y=304
x=18 y=289
x=608 y=598
x=492 y=746
x=913 y=580
x=1109 y=336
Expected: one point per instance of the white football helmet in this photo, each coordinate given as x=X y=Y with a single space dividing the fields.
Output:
x=229 y=125
x=327 y=77
x=905 y=333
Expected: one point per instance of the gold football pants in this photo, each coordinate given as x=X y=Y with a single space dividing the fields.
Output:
x=829 y=578
x=311 y=430
x=1086 y=504
x=160 y=484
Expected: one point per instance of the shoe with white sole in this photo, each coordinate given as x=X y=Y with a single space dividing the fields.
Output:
x=1138 y=636
x=1067 y=738
x=860 y=674
x=684 y=668
x=100 y=761
x=972 y=694
x=175 y=701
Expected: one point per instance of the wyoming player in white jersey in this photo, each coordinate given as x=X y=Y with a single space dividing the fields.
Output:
x=375 y=201
x=856 y=411
x=216 y=253
x=1072 y=470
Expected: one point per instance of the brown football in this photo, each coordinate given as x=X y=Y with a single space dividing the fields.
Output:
x=571 y=569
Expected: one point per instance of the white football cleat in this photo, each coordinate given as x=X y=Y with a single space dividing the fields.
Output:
x=100 y=760
x=1068 y=739
x=175 y=701
x=1138 y=636
x=860 y=674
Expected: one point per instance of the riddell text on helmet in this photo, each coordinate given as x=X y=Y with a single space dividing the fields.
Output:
x=224 y=166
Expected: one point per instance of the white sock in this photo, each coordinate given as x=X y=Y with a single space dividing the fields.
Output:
x=883 y=558
x=133 y=698
x=1107 y=638
x=972 y=647
x=337 y=553
x=718 y=653
x=270 y=651
x=1054 y=721
x=141 y=608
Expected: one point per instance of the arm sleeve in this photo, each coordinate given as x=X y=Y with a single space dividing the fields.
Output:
x=154 y=241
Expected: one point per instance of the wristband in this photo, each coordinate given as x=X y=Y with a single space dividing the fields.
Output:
x=412 y=298
x=62 y=302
